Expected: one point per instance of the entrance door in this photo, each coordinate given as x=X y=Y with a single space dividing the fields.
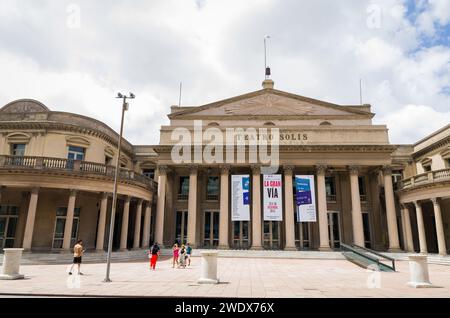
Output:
x=181 y=227
x=366 y=230
x=211 y=229
x=241 y=235
x=334 y=229
x=302 y=231
x=60 y=224
x=271 y=235
x=9 y=216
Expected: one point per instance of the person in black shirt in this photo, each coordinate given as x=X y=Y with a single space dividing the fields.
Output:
x=153 y=254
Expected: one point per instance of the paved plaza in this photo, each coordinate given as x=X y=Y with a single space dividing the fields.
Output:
x=240 y=277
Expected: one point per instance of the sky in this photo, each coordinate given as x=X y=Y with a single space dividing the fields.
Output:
x=75 y=56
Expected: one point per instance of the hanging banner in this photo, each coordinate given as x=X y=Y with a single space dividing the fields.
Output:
x=240 y=197
x=273 y=197
x=305 y=198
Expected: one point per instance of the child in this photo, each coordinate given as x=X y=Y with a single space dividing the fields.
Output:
x=175 y=251
x=182 y=257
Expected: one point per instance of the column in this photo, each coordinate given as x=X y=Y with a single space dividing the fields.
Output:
x=102 y=222
x=137 y=225
x=159 y=222
x=324 y=240
x=421 y=228
x=224 y=212
x=409 y=245
x=192 y=207
x=357 y=221
x=391 y=215
x=256 y=208
x=125 y=219
x=29 y=227
x=69 y=220
x=439 y=227
x=147 y=223
x=289 y=221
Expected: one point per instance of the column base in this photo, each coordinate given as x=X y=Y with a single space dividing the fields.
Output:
x=395 y=250
x=256 y=248
x=123 y=250
x=136 y=248
x=207 y=281
x=223 y=247
x=325 y=249
x=102 y=251
x=11 y=277
x=290 y=248
x=421 y=285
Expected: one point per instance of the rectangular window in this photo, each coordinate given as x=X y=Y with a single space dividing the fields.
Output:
x=427 y=168
x=212 y=189
x=362 y=188
x=75 y=153
x=183 y=189
x=448 y=163
x=330 y=187
x=60 y=222
x=18 y=150
x=149 y=173
x=108 y=161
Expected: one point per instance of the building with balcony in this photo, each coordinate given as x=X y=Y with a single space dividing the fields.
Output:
x=56 y=179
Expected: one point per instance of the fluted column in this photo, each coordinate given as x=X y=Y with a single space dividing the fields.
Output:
x=409 y=245
x=357 y=220
x=289 y=221
x=421 y=228
x=125 y=219
x=224 y=213
x=256 y=208
x=391 y=215
x=69 y=220
x=102 y=222
x=192 y=207
x=324 y=243
x=159 y=222
x=137 y=225
x=31 y=216
x=147 y=223
x=439 y=227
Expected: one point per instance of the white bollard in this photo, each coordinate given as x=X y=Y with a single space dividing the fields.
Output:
x=11 y=264
x=209 y=268
x=418 y=268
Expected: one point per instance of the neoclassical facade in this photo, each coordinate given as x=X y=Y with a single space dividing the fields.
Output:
x=56 y=178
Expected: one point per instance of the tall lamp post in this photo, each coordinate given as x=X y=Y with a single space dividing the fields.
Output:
x=116 y=174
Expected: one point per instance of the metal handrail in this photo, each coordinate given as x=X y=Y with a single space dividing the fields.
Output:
x=354 y=248
x=378 y=254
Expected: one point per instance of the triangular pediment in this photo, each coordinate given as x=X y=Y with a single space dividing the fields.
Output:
x=267 y=103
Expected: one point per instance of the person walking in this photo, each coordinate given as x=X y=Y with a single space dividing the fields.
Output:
x=77 y=254
x=188 y=254
x=182 y=258
x=175 y=251
x=153 y=254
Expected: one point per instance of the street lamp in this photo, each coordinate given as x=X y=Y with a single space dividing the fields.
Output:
x=116 y=173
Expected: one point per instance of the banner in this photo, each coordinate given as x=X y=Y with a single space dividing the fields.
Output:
x=240 y=197
x=273 y=197
x=305 y=198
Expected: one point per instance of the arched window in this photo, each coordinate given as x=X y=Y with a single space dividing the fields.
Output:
x=325 y=123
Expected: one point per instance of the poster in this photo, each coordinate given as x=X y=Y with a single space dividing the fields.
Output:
x=240 y=197
x=305 y=198
x=273 y=197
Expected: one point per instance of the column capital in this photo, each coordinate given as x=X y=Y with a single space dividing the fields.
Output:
x=105 y=195
x=73 y=192
x=163 y=169
x=193 y=168
x=354 y=170
x=404 y=206
x=225 y=168
x=34 y=190
x=387 y=170
x=256 y=169
x=435 y=201
x=127 y=199
x=288 y=169
x=417 y=204
x=140 y=201
x=321 y=169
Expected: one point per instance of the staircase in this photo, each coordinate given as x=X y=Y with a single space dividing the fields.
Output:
x=367 y=258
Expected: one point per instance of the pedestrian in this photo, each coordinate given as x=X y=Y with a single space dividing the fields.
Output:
x=175 y=251
x=182 y=258
x=188 y=254
x=153 y=255
x=77 y=254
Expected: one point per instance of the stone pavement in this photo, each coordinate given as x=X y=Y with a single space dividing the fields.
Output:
x=240 y=277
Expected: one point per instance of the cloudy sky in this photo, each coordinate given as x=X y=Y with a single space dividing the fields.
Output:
x=76 y=55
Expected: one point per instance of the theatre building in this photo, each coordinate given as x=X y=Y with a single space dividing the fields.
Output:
x=333 y=177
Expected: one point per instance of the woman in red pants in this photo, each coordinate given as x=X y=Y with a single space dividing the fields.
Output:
x=153 y=254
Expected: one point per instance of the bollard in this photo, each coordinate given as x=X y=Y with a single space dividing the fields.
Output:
x=209 y=268
x=11 y=264
x=418 y=268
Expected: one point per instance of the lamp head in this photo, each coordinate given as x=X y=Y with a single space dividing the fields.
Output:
x=119 y=95
x=132 y=95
